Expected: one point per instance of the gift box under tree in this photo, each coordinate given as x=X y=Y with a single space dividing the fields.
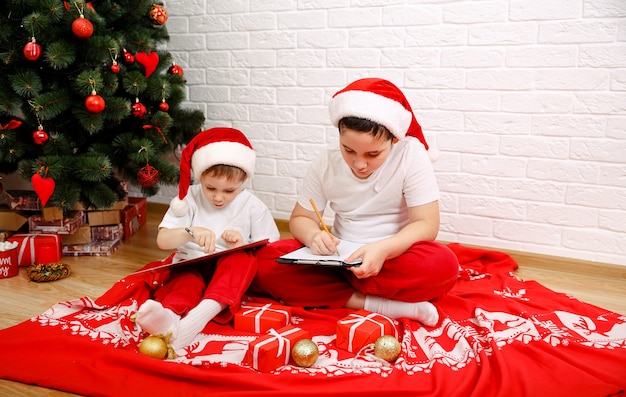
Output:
x=37 y=248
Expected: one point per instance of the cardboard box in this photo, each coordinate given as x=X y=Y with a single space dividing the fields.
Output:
x=67 y=225
x=119 y=205
x=362 y=328
x=81 y=236
x=95 y=248
x=273 y=350
x=11 y=220
x=260 y=318
x=52 y=213
x=37 y=248
x=98 y=218
x=134 y=216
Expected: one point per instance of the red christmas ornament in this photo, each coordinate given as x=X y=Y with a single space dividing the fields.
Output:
x=128 y=57
x=148 y=176
x=44 y=187
x=95 y=103
x=138 y=109
x=164 y=106
x=175 y=69
x=82 y=27
x=158 y=15
x=40 y=136
x=115 y=68
x=32 y=50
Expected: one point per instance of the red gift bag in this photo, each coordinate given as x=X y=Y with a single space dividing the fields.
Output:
x=37 y=248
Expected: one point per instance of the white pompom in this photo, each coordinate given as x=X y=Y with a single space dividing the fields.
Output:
x=433 y=154
x=179 y=207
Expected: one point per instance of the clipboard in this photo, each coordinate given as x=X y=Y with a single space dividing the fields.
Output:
x=304 y=256
x=207 y=257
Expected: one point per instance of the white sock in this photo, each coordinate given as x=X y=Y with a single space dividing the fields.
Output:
x=197 y=318
x=153 y=318
x=424 y=312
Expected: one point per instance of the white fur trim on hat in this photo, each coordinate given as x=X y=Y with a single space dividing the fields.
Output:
x=370 y=106
x=224 y=152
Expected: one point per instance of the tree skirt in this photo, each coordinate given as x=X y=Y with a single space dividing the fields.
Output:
x=499 y=336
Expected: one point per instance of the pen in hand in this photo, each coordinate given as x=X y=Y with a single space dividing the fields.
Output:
x=319 y=216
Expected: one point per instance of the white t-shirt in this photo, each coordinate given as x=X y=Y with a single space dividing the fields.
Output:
x=371 y=209
x=246 y=214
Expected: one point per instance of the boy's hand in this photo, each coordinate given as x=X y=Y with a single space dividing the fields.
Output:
x=372 y=259
x=232 y=238
x=324 y=243
x=205 y=238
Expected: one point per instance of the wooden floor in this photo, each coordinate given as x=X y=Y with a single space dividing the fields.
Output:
x=21 y=299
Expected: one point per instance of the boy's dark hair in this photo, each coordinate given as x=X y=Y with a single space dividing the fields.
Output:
x=230 y=172
x=365 y=125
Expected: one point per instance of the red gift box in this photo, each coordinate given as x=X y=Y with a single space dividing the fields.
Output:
x=362 y=328
x=134 y=215
x=37 y=248
x=273 y=350
x=260 y=318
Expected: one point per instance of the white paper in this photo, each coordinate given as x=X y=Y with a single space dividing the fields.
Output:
x=346 y=248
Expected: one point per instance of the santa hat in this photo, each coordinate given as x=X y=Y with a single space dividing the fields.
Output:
x=220 y=145
x=379 y=101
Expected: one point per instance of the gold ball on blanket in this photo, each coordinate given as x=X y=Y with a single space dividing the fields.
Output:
x=387 y=347
x=153 y=346
x=305 y=353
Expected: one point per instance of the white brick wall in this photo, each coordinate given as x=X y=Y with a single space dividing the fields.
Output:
x=525 y=99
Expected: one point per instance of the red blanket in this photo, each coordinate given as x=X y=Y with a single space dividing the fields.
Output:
x=500 y=336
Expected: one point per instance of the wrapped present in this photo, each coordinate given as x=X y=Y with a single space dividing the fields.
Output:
x=8 y=259
x=259 y=318
x=273 y=350
x=22 y=200
x=107 y=233
x=94 y=248
x=68 y=225
x=10 y=221
x=35 y=248
x=134 y=215
x=362 y=328
x=108 y=217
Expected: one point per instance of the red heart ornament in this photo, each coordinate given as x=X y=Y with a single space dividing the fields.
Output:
x=44 y=187
x=149 y=61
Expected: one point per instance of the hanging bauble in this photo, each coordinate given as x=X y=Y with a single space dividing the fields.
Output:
x=128 y=57
x=82 y=27
x=32 y=50
x=148 y=61
x=158 y=15
x=164 y=106
x=175 y=69
x=115 y=68
x=139 y=109
x=148 y=176
x=44 y=187
x=40 y=136
x=95 y=103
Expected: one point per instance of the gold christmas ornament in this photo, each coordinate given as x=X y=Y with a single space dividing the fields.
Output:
x=156 y=346
x=387 y=347
x=305 y=353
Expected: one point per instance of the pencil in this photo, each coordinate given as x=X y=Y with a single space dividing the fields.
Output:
x=319 y=216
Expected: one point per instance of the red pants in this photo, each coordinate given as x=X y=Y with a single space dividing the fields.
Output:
x=426 y=271
x=224 y=280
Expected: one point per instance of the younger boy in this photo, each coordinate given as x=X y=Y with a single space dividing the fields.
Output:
x=216 y=213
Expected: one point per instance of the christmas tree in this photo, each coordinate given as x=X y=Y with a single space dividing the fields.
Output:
x=89 y=99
